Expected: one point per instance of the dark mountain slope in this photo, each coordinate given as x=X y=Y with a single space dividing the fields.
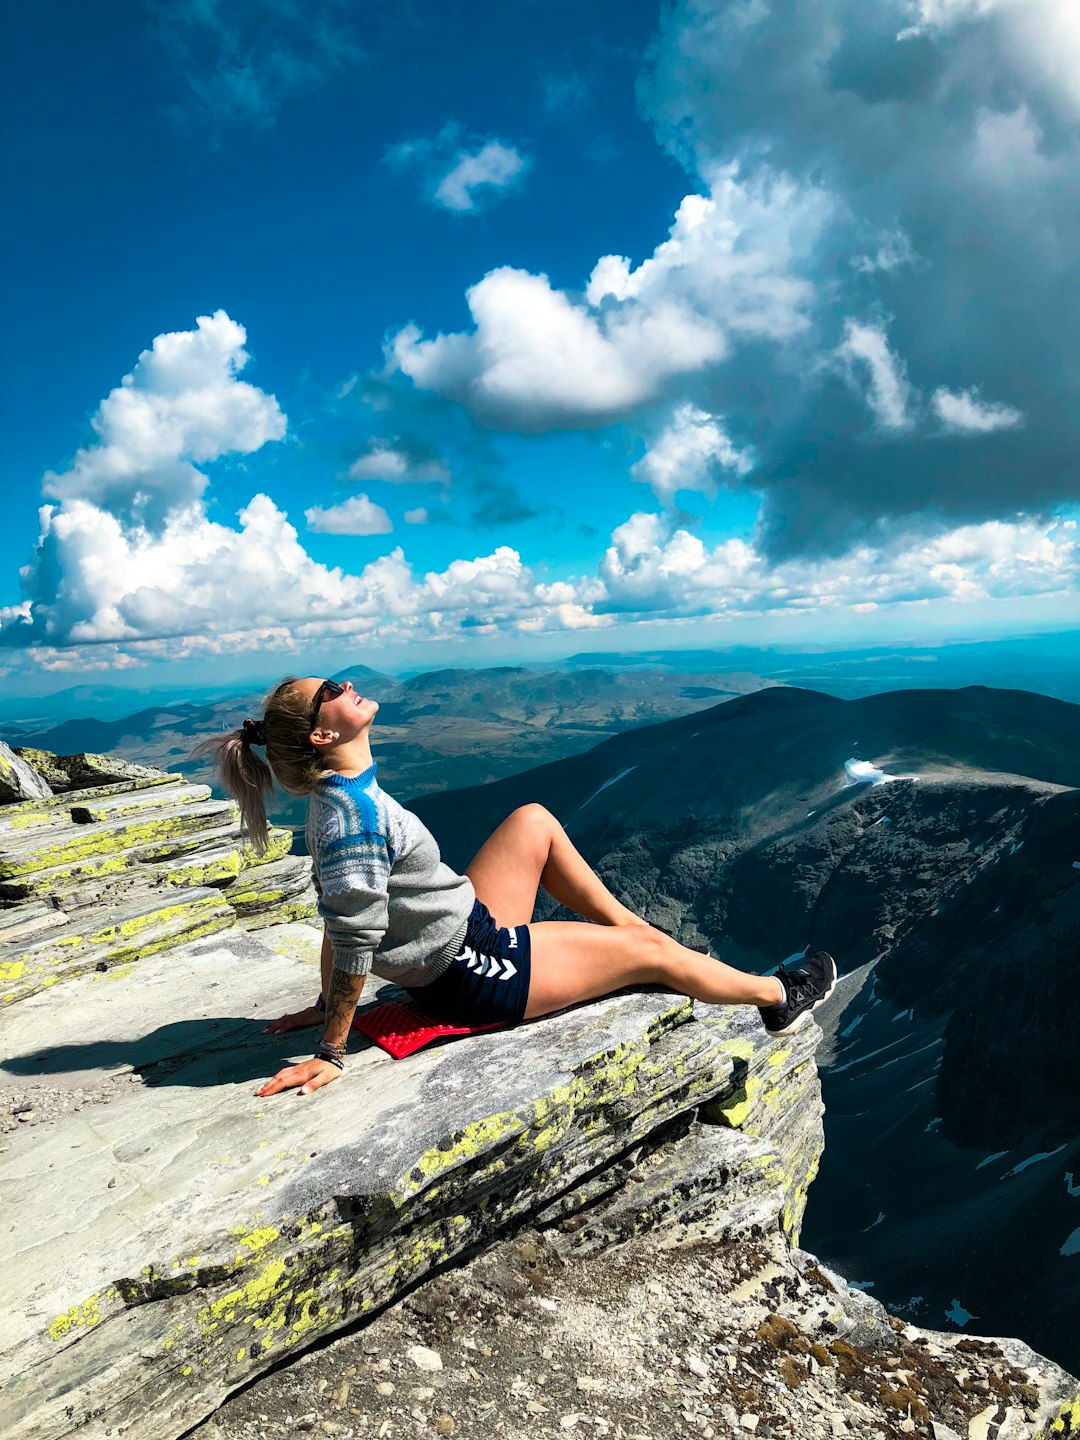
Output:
x=753 y=762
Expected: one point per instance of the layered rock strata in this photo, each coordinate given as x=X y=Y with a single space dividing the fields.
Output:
x=198 y=1235
x=105 y=874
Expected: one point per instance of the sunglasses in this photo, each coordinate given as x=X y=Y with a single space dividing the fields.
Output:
x=328 y=690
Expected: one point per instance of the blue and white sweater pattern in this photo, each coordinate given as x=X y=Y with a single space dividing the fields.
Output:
x=383 y=890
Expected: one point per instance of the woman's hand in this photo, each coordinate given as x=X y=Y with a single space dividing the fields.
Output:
x=296 y=1021
x=308 y=1075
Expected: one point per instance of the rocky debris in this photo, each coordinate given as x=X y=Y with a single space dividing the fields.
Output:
x=646 y=1341
x=49 y=766
x=18 y=779
x=107 y=874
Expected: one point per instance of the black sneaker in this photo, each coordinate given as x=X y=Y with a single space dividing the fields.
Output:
x=807 y=988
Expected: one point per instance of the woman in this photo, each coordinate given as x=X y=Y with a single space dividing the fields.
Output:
x=390 y=905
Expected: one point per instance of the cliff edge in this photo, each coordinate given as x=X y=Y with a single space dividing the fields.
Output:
x=170 y=1237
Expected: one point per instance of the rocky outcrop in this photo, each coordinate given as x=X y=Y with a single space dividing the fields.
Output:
x=19 y=780
x=170 y=1236
x=76 y=772
x=230 y=1233
x=104 y=875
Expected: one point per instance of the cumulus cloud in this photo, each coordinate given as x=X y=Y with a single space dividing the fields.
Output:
x=181 y=406
x=866 y=348
x=691 y=453
x=540 y=358
x=957 y=147
x=419 y=516
x=877 y=224
x=1042 y=37
x=964 y=411
x=199 y=585
x=400 y=463
x=458 y=172
x=355 y=516
x=651 y=568
x=130 y=560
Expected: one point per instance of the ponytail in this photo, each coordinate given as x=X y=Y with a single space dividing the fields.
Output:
x=284 y=730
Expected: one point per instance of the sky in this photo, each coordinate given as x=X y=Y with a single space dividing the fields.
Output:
x=422 y=334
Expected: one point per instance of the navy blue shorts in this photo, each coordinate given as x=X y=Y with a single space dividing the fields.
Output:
x=488 y=979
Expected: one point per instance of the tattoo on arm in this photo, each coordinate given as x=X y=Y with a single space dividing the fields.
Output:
x=341 y=1004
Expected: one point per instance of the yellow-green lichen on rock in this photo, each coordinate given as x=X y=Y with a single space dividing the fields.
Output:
x=1065 y=1423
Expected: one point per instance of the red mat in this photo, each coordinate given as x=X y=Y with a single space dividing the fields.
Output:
x=401 y=1029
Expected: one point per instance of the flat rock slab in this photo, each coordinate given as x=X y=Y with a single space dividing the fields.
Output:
x=178 y=1236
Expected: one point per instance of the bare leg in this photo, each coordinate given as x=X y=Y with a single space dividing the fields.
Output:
x=573 y=962
x=530 y=848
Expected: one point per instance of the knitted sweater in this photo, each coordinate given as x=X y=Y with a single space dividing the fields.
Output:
x=389 y=903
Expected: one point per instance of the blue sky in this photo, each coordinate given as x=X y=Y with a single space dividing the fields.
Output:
x=451 y=333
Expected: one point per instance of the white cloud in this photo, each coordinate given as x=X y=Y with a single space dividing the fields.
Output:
x=493 y=167
x=950 y=158
x=965 y=412
x=650 y=569
x=540 y=358
x=107 y=572
x=459 y=172
x=180 y=407
x=888 y=393
x=387 y=460
x=943 y=14
x=892 y=251
x=419 y=516
x=689 y=454
x=201 y=588
x=202 y=585
x=355 y=516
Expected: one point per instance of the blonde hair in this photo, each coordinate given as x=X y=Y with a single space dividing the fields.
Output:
x=294 y=764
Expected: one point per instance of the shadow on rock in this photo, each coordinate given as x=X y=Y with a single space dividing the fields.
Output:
x=226 y=1050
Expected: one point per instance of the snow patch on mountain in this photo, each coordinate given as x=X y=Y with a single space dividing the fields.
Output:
x=860 y=771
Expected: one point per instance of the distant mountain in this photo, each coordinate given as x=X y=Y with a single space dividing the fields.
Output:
x=952 y=903
x=443 y=728
x=22 y=716
x=1049 y=664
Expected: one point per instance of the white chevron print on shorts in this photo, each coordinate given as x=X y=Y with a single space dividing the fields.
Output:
x=489 y=965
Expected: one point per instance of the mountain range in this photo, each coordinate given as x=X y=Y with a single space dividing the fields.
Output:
x=439 y=729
